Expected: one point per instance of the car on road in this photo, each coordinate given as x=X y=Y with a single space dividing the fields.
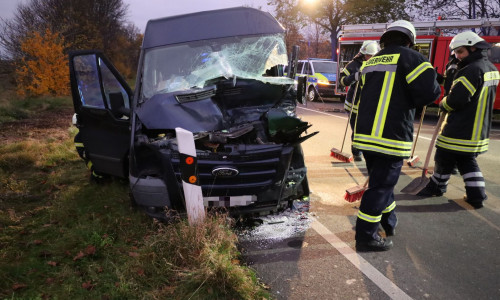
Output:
x=321 y=77
x=218 y=74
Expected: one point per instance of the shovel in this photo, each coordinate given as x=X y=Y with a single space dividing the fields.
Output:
x=419 y=183
x=412 y=162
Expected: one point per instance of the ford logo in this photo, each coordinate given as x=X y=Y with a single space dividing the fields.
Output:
x=225 y=172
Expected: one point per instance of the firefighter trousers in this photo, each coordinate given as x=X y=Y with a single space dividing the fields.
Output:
x=352 y=121
x=377 y=204
x=467 y=165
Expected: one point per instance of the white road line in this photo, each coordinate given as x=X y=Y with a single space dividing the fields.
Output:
x=345 y=118
x=386 y=285
x=322 y=112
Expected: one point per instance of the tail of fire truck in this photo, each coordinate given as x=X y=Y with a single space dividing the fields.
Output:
x=432 y=42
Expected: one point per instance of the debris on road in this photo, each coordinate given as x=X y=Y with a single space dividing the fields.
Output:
x=276 y=227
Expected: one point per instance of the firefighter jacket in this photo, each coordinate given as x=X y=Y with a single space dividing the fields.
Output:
x=395 y=82
x=347 y=78
x=469 y=105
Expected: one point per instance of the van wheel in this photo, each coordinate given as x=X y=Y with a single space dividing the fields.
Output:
x=311 y=94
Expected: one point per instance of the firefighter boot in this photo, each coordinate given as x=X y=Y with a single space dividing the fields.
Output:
x=431 y=190
x=389 y=223
x=474 y=202
x=377 y=244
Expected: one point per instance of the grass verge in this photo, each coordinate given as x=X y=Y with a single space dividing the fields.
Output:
x=63 y=236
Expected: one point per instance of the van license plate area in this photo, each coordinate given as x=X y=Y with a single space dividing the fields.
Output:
x=229 y=201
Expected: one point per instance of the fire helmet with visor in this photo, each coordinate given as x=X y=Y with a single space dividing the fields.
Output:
x=369 y=48
x=402 y=26
x=468 y=39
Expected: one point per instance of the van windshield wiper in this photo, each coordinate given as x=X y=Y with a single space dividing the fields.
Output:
x=194 y=96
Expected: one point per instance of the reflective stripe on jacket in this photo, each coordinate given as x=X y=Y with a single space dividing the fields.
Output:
x=467 y=125
x=394 y=82
x=347 y=79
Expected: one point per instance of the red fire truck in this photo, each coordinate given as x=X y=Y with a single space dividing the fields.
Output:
x=433 y=39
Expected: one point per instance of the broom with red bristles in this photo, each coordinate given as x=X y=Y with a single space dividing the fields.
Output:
x=355 y=193
x=336 y=153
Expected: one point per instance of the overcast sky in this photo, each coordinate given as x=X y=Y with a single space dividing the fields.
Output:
x=140 y=11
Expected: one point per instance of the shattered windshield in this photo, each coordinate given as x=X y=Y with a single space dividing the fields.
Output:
x=191 y=65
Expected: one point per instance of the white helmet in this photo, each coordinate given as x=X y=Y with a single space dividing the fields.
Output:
x=402 y=26
x=468 y=38
x=369 y=47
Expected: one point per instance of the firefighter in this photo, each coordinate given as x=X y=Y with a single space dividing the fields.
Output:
x=349 y=77
x=394 y=82
x=469 y=108
x=449 y=75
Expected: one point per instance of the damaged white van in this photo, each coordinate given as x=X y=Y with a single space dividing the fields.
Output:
x=217 y=74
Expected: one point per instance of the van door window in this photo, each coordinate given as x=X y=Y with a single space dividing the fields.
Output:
x=87 y=78
x=112 y=85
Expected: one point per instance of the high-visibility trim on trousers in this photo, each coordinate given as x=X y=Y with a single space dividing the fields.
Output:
x=368 y=218
x=389 y=208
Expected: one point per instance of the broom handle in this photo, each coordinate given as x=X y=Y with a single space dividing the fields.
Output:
x=418 y=131
x=431 y=145
x=350 y=114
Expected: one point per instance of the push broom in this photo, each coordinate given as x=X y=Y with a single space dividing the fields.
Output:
x=412 y=162
x=336 y=153
x=356 y=192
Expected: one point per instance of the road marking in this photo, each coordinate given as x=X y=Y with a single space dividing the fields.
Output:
x=386 y=285
x=321 y=112
x=345 y=118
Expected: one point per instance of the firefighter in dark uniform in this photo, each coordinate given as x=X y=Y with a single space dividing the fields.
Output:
x=447 y=81
x=349 y=77
x=395 y=82
x=469 y=108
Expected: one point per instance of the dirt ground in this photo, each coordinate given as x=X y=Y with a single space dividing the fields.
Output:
x=53 y=124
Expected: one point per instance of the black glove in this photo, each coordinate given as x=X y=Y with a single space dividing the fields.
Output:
x=439 y=77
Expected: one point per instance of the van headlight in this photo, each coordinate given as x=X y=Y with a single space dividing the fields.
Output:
x=323 y=82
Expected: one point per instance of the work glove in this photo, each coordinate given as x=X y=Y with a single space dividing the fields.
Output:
x=439 y=77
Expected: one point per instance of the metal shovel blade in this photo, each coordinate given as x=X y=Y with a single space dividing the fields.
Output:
x=416 y=185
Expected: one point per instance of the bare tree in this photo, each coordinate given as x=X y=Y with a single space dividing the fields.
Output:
x=330 y=15
x=83 y=24
x=456 y=9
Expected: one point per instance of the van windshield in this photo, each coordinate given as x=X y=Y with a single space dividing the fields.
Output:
x=192 y=65
x=324 y=67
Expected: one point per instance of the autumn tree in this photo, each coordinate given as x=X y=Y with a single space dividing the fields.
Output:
x=330 y=15
x=89 y=24
x=43 y=69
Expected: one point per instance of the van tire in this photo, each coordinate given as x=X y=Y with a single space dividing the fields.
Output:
x=311 y=94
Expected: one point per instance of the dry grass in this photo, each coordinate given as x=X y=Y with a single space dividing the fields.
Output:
x=63 y=236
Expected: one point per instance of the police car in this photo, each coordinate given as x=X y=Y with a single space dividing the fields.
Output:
x=321 y=77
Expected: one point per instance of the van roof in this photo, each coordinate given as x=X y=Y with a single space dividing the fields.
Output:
x=236 y=21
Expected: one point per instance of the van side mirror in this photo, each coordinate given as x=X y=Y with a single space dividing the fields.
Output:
x=117 y=105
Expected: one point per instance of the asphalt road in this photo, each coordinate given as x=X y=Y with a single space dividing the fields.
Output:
x=443 y=248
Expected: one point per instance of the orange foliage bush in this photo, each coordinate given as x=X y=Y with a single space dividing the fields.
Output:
x=43 y=71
